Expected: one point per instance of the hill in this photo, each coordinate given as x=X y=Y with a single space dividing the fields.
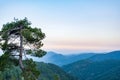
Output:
x=101 y=57
x=113 y=74
x=98 y=67
x=47 y=72
x=50 y=71
x=59 y=59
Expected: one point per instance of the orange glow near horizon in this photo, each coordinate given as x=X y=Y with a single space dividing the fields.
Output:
x=86 y=45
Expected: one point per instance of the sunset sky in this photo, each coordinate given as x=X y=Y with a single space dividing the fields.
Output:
x=71 y=26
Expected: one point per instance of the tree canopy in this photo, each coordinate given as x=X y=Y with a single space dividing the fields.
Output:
x=17 y=39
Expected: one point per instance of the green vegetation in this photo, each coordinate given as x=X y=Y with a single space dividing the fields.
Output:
x=17 y=39
x=52 y=72
x=89 y=69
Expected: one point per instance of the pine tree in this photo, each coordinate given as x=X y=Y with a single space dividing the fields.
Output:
x=17 y=39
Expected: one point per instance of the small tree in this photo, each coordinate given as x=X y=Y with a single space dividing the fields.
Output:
x=17 y=39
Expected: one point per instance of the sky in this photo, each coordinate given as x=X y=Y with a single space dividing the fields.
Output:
x=71 y=26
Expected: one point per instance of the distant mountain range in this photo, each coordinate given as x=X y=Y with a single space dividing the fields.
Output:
x=59 y=59
x=88 y=66
x=98 y=67
x=101 y=57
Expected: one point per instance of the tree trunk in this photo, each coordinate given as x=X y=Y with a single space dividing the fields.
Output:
x=21 y=50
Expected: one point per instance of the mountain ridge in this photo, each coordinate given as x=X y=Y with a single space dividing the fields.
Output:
x=107 y=67
x=59 y=59
x=50 y=71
